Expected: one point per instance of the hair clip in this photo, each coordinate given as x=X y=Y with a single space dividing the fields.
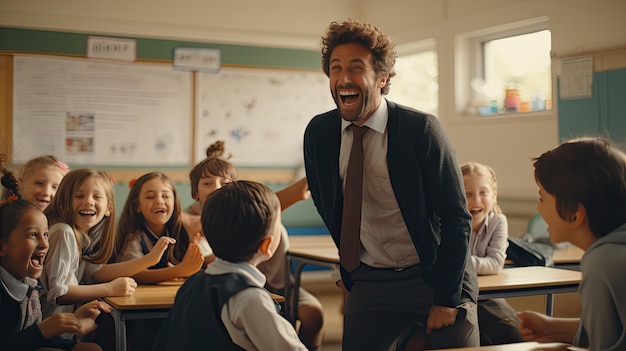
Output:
x=62 y=165
x=132 y=182
x=11 y=198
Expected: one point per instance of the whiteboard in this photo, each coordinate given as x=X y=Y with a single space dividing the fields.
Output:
x=261 y=114
x=95 y=113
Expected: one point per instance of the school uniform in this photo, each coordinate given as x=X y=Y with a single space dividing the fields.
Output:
x=226 y=308
x=498 y=321
x=65 y=266
x=20 y=312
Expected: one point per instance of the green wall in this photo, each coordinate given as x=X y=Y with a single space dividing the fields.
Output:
x=37 y=41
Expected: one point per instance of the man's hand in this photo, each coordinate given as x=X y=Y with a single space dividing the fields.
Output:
x=440 y=317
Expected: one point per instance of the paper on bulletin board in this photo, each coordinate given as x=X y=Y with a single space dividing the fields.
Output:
x=576 y=78
x=93 y=113
x=261 y=114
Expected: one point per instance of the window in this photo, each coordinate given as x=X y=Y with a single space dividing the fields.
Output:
x=509 y=70
x=416 y=81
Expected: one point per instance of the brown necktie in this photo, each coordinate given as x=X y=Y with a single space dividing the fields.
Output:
x=349 y=248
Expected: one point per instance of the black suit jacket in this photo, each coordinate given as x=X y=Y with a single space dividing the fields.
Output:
x=427 y=183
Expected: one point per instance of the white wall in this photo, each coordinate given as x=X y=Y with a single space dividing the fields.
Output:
x=507 y=144
x=275 y=23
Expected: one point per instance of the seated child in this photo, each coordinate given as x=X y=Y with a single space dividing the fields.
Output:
x=582 y=198
x=241 y=222
x=152 y=210
x=498 y=321
x=23 y=247
x=213 y=173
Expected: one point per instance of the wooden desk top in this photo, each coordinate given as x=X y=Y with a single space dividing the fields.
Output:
x=308 y=241
x=568 y=254
x=323 y=245
x=153 y=297
x=508 y=279
x=522 y=346
x=528 y=277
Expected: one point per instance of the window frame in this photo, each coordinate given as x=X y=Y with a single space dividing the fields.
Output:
x=470 y=60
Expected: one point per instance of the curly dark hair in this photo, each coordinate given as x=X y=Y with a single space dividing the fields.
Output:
x=349 y=31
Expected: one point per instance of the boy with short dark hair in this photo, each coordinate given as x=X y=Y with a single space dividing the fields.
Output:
x=582 y=198
x=225 y=306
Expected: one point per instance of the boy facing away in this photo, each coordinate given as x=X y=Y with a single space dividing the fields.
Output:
x=582 y=198
x=225 y=306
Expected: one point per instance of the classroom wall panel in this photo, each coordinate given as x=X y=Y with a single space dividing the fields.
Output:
x=604 y=113
x=66 y=51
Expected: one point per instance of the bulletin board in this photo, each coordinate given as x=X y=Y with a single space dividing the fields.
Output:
x=261 y=114
x=96 y=113
x=129 y=118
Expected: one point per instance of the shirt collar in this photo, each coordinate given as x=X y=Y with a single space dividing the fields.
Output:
x=221 y=266
x=483 y=227
x=16 y=289
x=378 y=120
x=148 y=231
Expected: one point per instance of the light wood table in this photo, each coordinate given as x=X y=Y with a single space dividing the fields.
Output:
x=522 y=346
x=148 y=302
x=568 y=257
x=511 y=282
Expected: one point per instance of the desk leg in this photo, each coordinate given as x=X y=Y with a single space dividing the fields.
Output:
x=292 y=292
x=120 y=329
x=550 y=304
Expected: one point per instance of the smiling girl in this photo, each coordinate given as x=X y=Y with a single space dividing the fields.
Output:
x=488 y=242
x=153 y=211
x=23 y=247
x=82 y=238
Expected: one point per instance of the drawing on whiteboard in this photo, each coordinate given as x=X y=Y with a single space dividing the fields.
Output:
x=274 y=105
x=239 y=133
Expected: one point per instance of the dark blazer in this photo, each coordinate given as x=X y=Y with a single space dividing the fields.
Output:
x=426 y=180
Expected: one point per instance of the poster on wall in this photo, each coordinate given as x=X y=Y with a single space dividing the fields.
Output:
x=95 y=113
x=260 y=114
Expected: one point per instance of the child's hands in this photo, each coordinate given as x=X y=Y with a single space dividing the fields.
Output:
x=122 y=286
x=192 y=261
x=87 y=315
x=159 y=248
x=58 y=324
x=535 y=327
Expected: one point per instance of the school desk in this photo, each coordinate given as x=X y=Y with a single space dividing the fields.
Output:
x=522 y=346
x=148 y=302
x=511 y=282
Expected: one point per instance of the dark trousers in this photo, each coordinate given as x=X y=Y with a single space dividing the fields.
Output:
x=498 y=323
x=385 y=306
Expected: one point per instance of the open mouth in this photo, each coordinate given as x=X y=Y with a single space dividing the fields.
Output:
x=36 y=260
x=474 y=211
x=87 y=213
x=349 y=97
x=42 y=202
x=160 y=211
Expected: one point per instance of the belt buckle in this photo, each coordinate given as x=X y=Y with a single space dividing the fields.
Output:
x=398 y=269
